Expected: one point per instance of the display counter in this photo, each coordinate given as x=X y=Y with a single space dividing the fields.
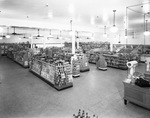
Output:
x=57 y=75
x=136 y=94
x=143 y=57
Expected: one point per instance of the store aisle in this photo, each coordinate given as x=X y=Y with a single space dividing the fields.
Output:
x=22 y=94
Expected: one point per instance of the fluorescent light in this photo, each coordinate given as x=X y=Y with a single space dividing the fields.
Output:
x=50 y=36
x=1 y=29
x=114 y=29
x=125 y=37
x=60 y=37
x=146 y=8
x=71 y=33
x=50 y=14
x=7 y=36
x=146 y=33
x=105 y=35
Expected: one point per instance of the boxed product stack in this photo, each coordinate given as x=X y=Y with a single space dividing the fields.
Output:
x=36 y=66
x=84 y=64
x=48 y=72
x=55 y=71
x=3 y=49
x=63 y=75
x=75 y=66
x=19 y=53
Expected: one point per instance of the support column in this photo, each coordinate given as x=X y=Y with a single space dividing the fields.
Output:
x=31 y=42
x=73 y=41
x=78 y=41
x=44 y=43
x=111 y=46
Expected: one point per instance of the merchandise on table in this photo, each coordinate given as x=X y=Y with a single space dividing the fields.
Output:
x=116 y=61
x=101 y=63
x=75 y=66
x=19 y=53
x=3 y=49
x=84 y=64
x=56 y=71
x=83 y=114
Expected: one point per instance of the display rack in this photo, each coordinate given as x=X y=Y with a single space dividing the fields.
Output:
x=116 y=62
x=57 y=75
x=19 y=54
x=84 y=64
x=3 y=49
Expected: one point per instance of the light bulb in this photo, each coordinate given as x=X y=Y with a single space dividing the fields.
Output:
x=60 y=37
x=50 y=36
x=125 y=37
x=1 y=29
x=114 y=29
x=146 y=33
x=7 y=36
x=105 y=35
x=71 y=33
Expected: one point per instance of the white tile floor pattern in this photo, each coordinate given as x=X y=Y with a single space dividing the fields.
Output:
x=23 y=95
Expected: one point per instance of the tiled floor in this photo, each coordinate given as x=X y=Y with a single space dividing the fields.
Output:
x=23 y=95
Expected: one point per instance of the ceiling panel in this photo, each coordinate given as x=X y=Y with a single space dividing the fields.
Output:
x=88 y=12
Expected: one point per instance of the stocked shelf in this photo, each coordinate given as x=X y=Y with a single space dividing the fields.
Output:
x=84 y=64
x=87 y=46
x=58 y=74
x=19 y=54
x=3 y=49
x=116 y=62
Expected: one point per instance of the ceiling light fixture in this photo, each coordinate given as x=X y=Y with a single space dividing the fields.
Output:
x=60 y=37
x=7 y=36
x=77 y=35
x=146 y=33
x=92 y=36
x=126 y=34
x=105 y=35
x=114 y=29
x=119 y=39
x=71 y=33
x=146 y=7
x=1 y=29
x=50 y=35
x=133 y=35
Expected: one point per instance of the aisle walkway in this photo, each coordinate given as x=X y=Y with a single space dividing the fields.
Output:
x=23 y=95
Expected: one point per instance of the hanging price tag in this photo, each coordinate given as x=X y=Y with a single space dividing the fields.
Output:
x=86 y=64
x=26 y=63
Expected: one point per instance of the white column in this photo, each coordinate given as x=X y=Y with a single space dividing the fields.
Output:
x=111 y=46
x=78 y=40
x=73 y=41
x=44 y=46
x=31 y=42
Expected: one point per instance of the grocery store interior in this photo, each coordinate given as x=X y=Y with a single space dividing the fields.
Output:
x=74 y=59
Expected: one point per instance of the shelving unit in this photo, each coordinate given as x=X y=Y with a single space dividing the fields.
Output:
x=3 y=49
x=57 y=75
x=84 y=64
x=116 y=62
x=19 y=54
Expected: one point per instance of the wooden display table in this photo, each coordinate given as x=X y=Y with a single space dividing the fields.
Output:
x=143 y=57
x=137 y=95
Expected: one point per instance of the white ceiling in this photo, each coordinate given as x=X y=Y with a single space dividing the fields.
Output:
x=95 y=13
